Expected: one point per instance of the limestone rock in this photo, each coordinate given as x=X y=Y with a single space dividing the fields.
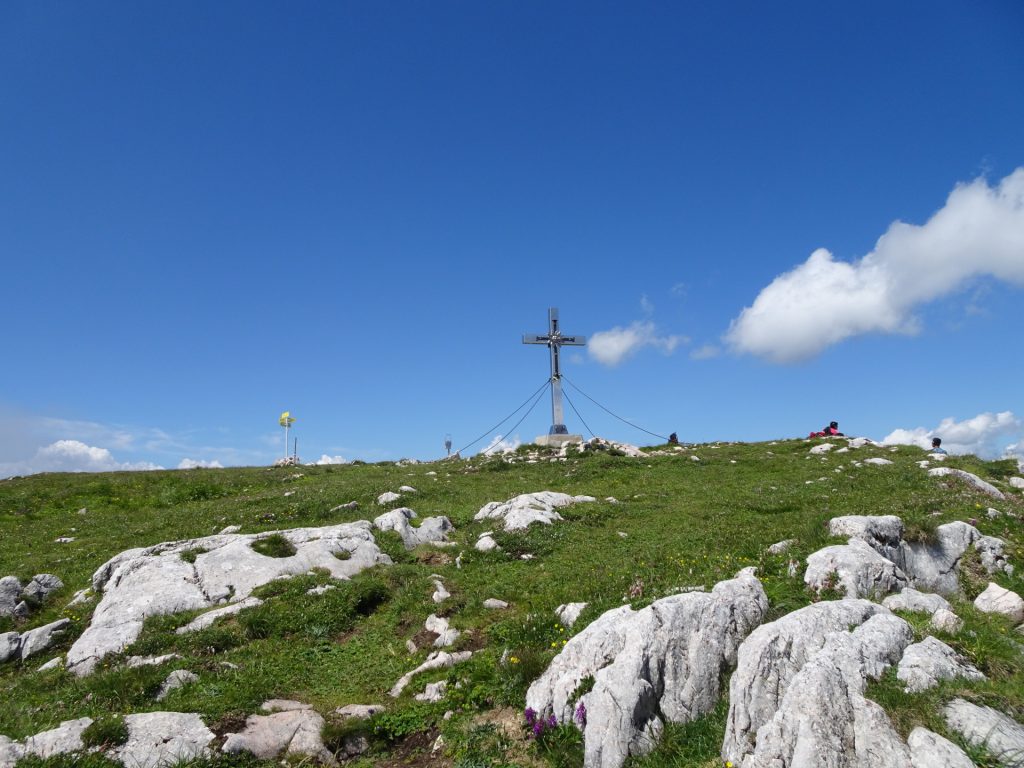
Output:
x=970 y=478
x=860 y=571
x=946 y=621
x=282 y=705
x=1017 y=482
x=359 y=711
x=294 y=732
x=494 y=604
x=436 y=660
x=569 y=612
x=446 y=635
x=231 y=529
x=486 y=543
x=780 y=547
x=919 y=602
x=1002 y=736
x=771 y=657
x=929 y=750
x=664 y=661
x=39 y=639
x=995 y=599
x=433 y=692
x=440 y=593
x=432 y=530
x=925 y=664
x=10 y=589
x=156 y=580
x=823 y=448
x=10 y=644
x=823 y=717
x=65 y=738
x=55 y=663
x=204 y=620
x=932 y=566
x=990 y=552
x=519 y=512
x=40 y=587
x=407 y=489
x=883 y=533
x=387 y=497
x=159 y=739
x=177 y=679
x=877 y=461
x=10 y=752
x=150 y=661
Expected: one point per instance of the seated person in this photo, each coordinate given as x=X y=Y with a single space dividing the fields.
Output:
x=832 y=430
x=937 y=446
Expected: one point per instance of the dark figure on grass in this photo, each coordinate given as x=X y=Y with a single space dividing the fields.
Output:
x=937 y=446
x=832 y=430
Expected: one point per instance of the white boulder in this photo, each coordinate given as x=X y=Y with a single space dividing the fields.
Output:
x=664 y=661
x=946 y=621
x=156 y=580
x=855 y=568
x=521 y=511
x=1000 y=735
x=929 y=750
x=164 y=739
x=925 y=664
x=294 y=732
x=996 y=599
x=568 y=613
x=970 y=478
x=919 y=602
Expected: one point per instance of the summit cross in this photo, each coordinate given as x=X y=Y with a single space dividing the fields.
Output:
x=554 y=340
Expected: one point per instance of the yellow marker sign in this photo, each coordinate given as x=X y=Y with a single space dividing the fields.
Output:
x=286 y=419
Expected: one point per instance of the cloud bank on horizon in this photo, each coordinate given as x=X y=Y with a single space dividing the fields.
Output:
x=978 y=232
x=986 y=435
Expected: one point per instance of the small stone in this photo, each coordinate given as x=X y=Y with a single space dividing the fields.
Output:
x=877 y=461
x=440 y=593
x=230 y=529
x=946 y=621
x=433 y=692
x=924 y=665
x=359 y=711
x=407 y=489
x=781 y=546
x=387 y=497
x=995 y=599
x=53 y=663
x=568 y=613
x=492 y=603
x=282 y=705
x=177 y=679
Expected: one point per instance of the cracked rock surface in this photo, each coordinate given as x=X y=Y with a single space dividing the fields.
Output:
x=929 y=750
x=294 y=731
x=156 y=580
x=662 y=663
x=159 y=739
x=1000 y=735
x=924 y=665
x=823 y=718
x=771 y=657
x=432 y=530
x=861 y=571
x=521 y=511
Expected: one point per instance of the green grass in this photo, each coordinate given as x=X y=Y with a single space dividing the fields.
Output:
x=686 y=524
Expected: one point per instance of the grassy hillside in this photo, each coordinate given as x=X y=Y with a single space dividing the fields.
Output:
x=678 y=523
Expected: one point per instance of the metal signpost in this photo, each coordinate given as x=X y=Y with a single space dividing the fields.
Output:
x=554 y=340
x=286 y=421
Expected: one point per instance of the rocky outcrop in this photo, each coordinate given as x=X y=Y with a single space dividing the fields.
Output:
x=293 y=731
x=925 y=664
x=969 y=478
x=929 y=750
x=854 y=568
x=19 y=601
x=159 y=580
x=436 y=660
x=771 y=657
x=14 y=646
x=521 y=511
x=823 y=717
x=662 y=663
x=1001 y=736
x=931 y=566
x=432 y=530
x=995 y=599
x=204 y=620
x=918 y=602
x=163 y=739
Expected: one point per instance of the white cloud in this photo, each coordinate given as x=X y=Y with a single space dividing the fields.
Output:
x=199 y=464
x=612 y=347
x=985 y=435
x=646 y=305
x=500 y=445
x=705 y=352
x=325 y=459
x=71 y=456
x=979 y=232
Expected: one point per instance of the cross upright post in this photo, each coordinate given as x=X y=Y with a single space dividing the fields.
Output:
x=554 y=339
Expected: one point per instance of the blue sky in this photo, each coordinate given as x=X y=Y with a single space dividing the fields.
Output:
x=214 y=212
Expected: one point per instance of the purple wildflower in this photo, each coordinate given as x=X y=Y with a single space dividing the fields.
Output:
x=531 y=716
x=581 y=715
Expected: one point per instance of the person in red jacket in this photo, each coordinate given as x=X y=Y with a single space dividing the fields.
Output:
x=832 y=430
